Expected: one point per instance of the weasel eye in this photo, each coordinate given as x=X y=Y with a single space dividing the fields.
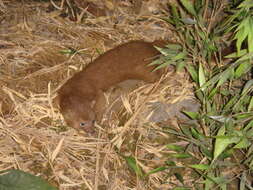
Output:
x=82 y=124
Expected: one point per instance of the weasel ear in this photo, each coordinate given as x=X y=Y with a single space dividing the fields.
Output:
x=93 y=103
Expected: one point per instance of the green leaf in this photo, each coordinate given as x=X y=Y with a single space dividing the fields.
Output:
x=250 y=35
x=182 y=155
x=212 y=93
x=230 y=103
x=170 y=163
x=247 y=87
x=175 y=15
x=179 y=177
x=159 y=169
x=189 y=7
x=131 y=162
x=192 y=72
x=196 y=134
x=163 y=51
x=174 y=46
x=181 y=188
x=222 y=142
x=68 y=51
x=202 y=79
x=246 y=57
x=236 y=54
x=250 y=104
x=246 y=4
x=242 y=69
x=226 y=75
x=209 y=181
x=248 y=126
x=175 y=147
x=20 y=180
x=244 y=143
x=180 y=65
x=192 y=115
x=180 y=55
x=240 y=37
x=200 y=166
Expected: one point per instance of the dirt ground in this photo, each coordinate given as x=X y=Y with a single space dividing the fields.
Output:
x=41 y=46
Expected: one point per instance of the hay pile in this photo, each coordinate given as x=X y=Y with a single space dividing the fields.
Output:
x=40 y=50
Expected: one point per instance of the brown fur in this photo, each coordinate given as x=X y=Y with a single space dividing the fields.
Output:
x=78 y=96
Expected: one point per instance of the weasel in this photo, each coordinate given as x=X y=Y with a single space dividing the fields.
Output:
x=78 y=97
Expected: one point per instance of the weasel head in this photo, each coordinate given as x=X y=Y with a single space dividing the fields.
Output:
x=78 y=113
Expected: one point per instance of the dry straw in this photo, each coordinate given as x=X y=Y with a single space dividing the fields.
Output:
x=34 y=64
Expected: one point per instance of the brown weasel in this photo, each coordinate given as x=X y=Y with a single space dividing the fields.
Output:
x=78 y=96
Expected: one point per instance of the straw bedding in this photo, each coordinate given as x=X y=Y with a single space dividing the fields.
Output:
x=40 y=50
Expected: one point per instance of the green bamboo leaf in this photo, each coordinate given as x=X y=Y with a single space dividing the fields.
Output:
x=68 y=51
x=222 y=141
x=181 y=55
x=192 y=115
x=176 y=47
x=175 y=147
x=246 y=57
x=243 y=116
x=156 y=62
x=200 y=166
x=180 y=66
x=246 y=4
x=163 y=51
x=20 y=180
x=179 y=177
x=165 y=64
x=181 y=188
x=207 y=152
x=209 y=181
x=198 y=5
x=131 y=162
x=241 y=33
x=196 y=134
x=247 y=87
x=170 y=163
x=226 y=75
x=202 y=79
x=212 y=93
x=236 y=54
x=243 y=143
x=175 y=15
x=188 y=5
x=248 y=126
x=159 y=169
x=181 y=155
x=192 y=72
x=231 y=103
x=250 y=106
x=217 y=77
x=242 y=69
x=250 y=35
